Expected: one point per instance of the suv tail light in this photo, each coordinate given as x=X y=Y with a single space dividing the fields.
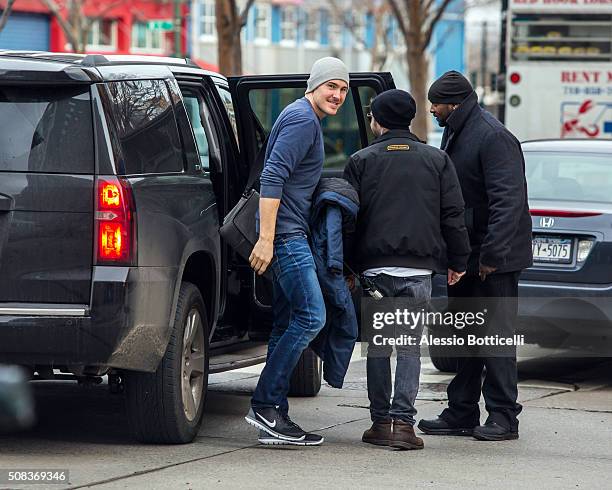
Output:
x=114 y=220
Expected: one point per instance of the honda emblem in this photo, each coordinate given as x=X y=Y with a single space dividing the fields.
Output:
x=547 y=222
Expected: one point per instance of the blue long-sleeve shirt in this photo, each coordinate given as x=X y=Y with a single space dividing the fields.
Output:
x=293 y=165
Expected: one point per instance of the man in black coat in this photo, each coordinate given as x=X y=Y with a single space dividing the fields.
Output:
x=410 y=223
x=491 y=170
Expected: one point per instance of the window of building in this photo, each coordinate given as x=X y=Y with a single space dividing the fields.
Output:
x=562 y=37
x=288 y=24
x=208 y=27
x=102 y=35
x=145 y=126
x=262 y=23
x=145 y=39
x=312 y=27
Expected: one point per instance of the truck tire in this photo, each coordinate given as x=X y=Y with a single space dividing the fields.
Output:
x=306 y=377
x=166 y=407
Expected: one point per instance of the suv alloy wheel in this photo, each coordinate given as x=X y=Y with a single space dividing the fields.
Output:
x=167 y=406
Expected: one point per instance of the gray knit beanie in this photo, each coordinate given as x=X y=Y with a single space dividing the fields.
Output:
x=326 y=69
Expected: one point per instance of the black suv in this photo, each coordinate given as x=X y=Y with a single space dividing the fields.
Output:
x=115 y=173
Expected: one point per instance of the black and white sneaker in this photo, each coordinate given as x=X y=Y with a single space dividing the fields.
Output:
x=309 y=440
x=280 y=426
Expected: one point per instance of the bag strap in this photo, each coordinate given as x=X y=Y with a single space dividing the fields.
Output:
x=257 y=167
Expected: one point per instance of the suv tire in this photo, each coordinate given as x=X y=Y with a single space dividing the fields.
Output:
x=159 y=406
x=306 y=377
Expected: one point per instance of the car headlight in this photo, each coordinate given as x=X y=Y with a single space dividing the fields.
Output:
x=584 y=248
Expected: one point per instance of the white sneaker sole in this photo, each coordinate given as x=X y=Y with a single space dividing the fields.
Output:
x=276 y=435
x=274 y=441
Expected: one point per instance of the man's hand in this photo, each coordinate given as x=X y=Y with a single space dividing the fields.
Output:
x=454 y=277
x=350 y=282
x=485 y=270
x=262 y=254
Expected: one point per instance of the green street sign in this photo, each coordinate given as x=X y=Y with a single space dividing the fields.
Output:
x=160 y=25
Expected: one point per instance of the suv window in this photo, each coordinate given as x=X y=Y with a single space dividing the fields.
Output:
x=340 y=132
x=46 y=129
x=192 y=104
x=146 y=127
x=226 y=98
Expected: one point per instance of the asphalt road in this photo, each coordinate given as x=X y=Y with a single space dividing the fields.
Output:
x=565 y=438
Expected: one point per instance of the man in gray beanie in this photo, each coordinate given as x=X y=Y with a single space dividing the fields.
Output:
x=292 y=169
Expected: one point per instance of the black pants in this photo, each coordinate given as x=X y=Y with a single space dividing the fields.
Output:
x=499 y=389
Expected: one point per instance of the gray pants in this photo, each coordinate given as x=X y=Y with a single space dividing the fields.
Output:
x=408 y=368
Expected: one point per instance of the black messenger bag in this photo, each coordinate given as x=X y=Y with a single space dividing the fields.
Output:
x=238 y=228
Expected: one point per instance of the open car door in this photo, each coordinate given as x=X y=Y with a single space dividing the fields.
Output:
x=258 y=100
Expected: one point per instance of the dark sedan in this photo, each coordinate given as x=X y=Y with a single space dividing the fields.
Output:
x=566 y=297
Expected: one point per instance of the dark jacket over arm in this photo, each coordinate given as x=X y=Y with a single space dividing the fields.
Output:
x=452 y=220
x=335 y=205
x=504 y=181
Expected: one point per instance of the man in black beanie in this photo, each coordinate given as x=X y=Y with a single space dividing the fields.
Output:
x=410 y=205
x=491 y=170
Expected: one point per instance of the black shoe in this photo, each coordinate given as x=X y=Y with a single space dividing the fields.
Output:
x=440 y=427
x=309 y=440
x=492 y=431
x=275 y=423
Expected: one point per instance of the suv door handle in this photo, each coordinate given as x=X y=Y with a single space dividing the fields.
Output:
x=6 y=203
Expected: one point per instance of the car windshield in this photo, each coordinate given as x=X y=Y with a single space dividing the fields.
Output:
x=583 y=177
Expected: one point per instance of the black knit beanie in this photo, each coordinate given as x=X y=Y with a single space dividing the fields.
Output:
x=393 y=109
x=450 y=88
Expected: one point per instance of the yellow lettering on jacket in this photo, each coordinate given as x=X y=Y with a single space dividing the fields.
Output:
x=398 y=148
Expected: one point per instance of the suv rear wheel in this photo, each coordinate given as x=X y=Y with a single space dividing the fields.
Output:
x=167 y=406
x=306 y=377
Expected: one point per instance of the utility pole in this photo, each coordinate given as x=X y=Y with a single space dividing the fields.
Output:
x=178 y=51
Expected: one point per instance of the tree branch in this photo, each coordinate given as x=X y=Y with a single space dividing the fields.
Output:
x=432 y=23
x=400 y=19
x=91 y=19
x=108 y=8
x=350 y=25
x=6 y=13
x=66 y=27
x=244 y=15
x=427 y=7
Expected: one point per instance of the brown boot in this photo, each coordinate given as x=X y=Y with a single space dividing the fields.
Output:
x=379 y=434
x=403 y=437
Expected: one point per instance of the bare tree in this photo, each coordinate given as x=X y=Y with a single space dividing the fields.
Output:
x=6 y=13
x=417 y=20
x=229 y=23
x=380 y=46
x=72 y=19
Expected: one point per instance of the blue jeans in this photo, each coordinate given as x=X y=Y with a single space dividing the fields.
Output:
x=408 y=357
x=298 y=316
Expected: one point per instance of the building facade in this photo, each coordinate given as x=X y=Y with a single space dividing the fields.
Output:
x=123 y=29
x=285 y=36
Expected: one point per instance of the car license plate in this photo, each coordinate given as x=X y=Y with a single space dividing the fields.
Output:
x=548 y=249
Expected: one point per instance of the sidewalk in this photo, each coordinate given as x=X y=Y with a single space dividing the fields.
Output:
x=565 y=442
